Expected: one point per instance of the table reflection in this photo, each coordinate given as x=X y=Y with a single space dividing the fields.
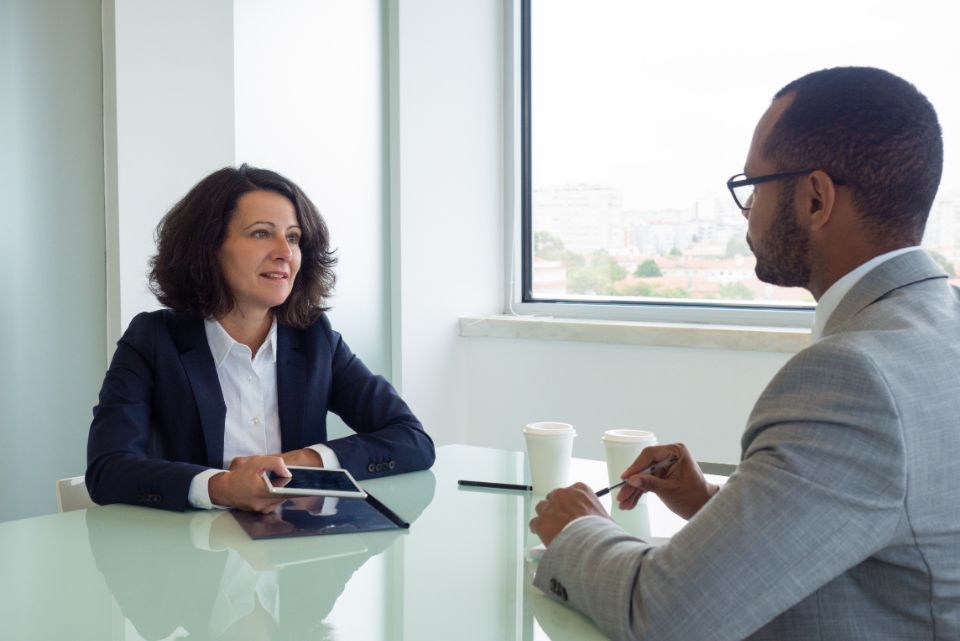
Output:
x=213 y=582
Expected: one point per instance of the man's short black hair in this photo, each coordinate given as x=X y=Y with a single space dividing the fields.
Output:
x=872 y=129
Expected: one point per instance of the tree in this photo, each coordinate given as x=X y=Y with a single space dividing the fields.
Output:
x=597 y=277
x=737 y=246
x=572 y=260
x=648 y=269
x=637 y=289
x=601 y=259
x=546 y=245
x=672 y=292
x=736 y=291
x=589 y=280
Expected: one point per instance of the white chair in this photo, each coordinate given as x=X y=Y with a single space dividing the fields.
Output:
x=72 y=495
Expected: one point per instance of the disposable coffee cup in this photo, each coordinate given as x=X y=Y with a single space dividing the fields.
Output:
x=549 y=449
x=622 y=448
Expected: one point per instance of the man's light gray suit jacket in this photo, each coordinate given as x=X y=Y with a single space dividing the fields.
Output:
x=843 y=519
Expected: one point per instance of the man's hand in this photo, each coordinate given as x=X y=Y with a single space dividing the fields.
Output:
x=681 y=486
x=243 y=487
x=303 y=458
x=562 y=506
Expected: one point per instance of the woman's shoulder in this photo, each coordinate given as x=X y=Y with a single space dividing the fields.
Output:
x=161 y=322
x=150 y=321
x=318 y=333
x=319 y=328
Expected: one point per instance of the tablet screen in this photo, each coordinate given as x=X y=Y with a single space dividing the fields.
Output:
x=316 y=478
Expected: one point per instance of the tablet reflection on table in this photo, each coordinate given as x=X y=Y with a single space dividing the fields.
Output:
x=200 y=574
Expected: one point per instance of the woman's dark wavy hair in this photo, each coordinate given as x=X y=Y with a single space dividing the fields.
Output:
x=185 y=274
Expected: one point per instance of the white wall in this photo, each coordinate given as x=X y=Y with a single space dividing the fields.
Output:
x=448 y=147
x=310 y=103
x=446 y=189
x=297 y=87
x=428 y=250
x=51 y=172
x=696 y=396
x=169 y=98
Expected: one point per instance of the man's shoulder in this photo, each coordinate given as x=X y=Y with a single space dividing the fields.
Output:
x=832 y=373
x=877 y=362
x=843 y=350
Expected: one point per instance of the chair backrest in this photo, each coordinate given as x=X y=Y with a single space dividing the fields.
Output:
x=72 y=494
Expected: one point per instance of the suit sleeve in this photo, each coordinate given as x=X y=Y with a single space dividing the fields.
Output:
x=819 y=490
x=389 y=439
x=120 y=464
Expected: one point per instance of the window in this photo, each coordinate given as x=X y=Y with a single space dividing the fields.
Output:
x=635 y=114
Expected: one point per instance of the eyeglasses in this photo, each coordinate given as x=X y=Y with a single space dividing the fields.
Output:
x=741 y=187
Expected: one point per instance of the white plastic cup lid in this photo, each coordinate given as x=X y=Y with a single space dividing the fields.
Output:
x=549 y=428
x=629 y=436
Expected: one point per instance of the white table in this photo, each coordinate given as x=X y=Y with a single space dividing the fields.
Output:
x=460 y=572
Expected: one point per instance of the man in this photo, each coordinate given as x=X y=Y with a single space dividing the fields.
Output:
x=842 y=520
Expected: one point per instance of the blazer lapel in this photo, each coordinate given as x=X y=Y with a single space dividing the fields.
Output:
x=291 y=386
x=198 y=362
x=897 y=272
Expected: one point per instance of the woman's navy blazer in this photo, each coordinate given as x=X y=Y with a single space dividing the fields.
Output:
x=160 y=419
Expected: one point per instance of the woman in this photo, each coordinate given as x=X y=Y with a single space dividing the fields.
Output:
x=236 y=377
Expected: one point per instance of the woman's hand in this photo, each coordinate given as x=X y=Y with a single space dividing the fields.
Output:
x=303 y=458
x=243 y=487
x=681 y=486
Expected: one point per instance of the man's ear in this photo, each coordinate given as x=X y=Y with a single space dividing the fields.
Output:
x=819 y=195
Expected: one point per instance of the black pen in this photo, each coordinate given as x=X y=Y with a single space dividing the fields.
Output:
x=496 y=486
x=650 y=469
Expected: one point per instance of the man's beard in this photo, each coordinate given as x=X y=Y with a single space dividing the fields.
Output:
x=783 y=258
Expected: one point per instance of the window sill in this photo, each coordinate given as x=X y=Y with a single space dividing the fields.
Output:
x=739 y=338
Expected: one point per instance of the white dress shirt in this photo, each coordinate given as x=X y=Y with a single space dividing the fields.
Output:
x=831 y=298
x=248 y=383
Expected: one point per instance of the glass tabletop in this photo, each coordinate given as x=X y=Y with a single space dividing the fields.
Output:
x=462 y=570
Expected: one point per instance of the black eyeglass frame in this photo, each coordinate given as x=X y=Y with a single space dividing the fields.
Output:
x=733 y=182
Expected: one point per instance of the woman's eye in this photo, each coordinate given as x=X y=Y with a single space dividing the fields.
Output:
x=260 y=233
x=293 y=239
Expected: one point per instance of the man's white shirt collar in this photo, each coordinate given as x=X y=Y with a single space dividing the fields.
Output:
x=831 y=298
x=221 y=342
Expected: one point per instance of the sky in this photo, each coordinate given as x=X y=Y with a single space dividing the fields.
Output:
x=660 y=99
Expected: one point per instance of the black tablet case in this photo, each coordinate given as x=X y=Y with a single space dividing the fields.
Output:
x=302 y=516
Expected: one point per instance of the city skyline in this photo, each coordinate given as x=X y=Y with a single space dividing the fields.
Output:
x=587 y=244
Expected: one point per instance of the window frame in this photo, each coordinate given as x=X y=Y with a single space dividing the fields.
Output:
x=519 y=223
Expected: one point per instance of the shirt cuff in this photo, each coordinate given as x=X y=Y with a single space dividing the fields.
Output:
x=199 y=494
x=328 y=456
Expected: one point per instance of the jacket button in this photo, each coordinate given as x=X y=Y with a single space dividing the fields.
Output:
x=371 y=468
x=391 y=465
x=379 y=467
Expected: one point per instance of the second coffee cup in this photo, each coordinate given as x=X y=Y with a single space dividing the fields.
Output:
x=622 y=448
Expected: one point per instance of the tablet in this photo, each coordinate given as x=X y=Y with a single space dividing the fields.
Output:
x=314 y=481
